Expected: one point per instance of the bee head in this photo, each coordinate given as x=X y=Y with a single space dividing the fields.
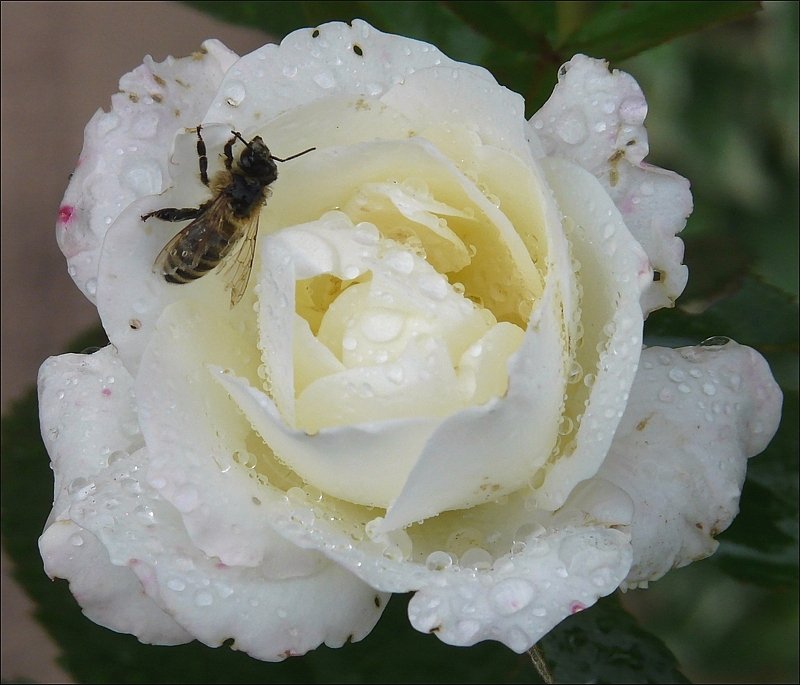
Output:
x=256 y=159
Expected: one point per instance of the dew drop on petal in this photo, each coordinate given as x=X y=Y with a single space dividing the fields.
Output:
x=235 y=93
x=176 y=585
x=571 y=127
x=511 y=595
x=677 y=375
x=203 y=598
x=477 y=558
x=438 y=561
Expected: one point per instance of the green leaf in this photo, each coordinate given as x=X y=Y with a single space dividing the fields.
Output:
x=522 y=26
x=762 y=544
x=607 y=645
x=279 y=17
x=617 y=30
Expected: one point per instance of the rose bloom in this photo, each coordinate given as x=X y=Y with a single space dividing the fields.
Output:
x=434 y=382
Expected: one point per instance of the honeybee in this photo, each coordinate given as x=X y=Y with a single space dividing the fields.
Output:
x=226 y=224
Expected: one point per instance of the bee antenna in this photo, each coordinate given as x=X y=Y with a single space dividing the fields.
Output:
x=299 y=154
x=238 y=135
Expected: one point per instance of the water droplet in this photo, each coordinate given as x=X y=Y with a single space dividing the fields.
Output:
x=665 y=395
x=290 y=70
x=709 y=389
x=401 y=261
x=325 y=80
x=381 y=326
x=235 y=93
x=477 y=558
x=511 y=595
x=203 y=598
x=715 y=341
x=677 y=375
x=438 y=561
x=76 y=540
x=186 y=498
x=115 y=456
x=571 y=127
x=131 y=485
x=91 y=286
x=176 y=585
x=395 y=374
x=588 y=380
x=684 y=388
x=434 y=286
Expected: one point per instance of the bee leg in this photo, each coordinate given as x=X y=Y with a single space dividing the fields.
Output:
x=201 y=154
x=229 y=153
x=175 y=214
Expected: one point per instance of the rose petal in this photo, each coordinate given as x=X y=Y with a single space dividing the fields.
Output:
x=483 y=452
x=694 y=416
x=125 y=153
x=280 y=608
x=469 y=587
x=365 y=463
x=109 y=595
x=595 y=118
x=528 y=594
x=311 y=64
x=612 y=270
x=197 y=439
x=87 y=414
x=447 y=96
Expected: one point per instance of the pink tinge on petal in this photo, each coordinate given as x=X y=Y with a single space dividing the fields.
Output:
x=65 y=213
x=576 y=607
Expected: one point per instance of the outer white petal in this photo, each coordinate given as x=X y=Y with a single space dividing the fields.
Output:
x=289 y=604
x=312 y=64
x=595 y=118
x=86 y=413
x=499 y=571
x=526 y=595
x=88 y=418
x=126 y=151
x=694 y=417
x=109 y=595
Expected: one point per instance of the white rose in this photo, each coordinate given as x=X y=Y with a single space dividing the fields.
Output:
x=431 y=381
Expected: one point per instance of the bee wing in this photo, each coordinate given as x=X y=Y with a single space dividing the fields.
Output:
x=191 y=239
x=240 y=260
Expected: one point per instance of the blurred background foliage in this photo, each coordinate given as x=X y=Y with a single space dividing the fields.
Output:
x=721 y=80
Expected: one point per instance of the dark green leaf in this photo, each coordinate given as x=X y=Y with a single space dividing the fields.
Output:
x=520 y=26
x=606 y=645
x=762 y=544
x=280 y=17
x=617 y=30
